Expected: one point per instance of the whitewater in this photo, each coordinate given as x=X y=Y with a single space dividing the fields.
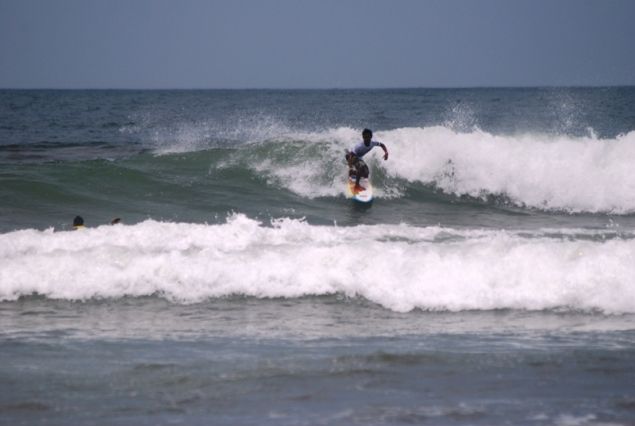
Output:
x=491 y=281
x=399 y=267
x=539 y=171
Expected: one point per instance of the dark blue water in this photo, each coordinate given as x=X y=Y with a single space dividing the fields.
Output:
x=489 y=282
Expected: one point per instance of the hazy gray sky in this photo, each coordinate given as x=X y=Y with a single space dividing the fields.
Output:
x=315 y=44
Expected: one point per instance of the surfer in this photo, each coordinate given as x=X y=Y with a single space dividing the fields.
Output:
x=356 y=166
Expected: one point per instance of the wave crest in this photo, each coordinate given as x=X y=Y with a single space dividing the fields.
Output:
x=399 y=267
x=546 y=172
x=575 y=174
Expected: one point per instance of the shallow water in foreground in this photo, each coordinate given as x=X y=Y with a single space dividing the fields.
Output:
x=326 y=360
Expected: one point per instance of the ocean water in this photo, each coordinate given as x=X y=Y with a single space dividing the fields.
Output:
x=491 y=281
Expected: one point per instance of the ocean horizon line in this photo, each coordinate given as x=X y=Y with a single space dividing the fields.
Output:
x=299 y=89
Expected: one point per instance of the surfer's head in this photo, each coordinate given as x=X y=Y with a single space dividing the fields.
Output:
x=367 y=135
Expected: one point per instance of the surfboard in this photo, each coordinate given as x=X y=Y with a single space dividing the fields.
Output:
x=365 y=196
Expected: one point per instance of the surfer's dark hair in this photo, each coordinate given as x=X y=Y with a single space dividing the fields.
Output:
x=367 y=131
x=78 y=221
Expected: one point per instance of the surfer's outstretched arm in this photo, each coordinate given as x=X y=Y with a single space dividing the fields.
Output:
x=385 y=150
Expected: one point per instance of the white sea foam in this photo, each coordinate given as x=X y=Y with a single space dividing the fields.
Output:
x=399 y=267
x=582 y=174
x=550 y=172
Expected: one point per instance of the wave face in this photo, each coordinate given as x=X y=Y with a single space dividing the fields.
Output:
x=399 y=267
x=195 y=156
x=544 y=172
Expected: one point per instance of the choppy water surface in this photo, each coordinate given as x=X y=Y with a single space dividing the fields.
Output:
x=490 y=282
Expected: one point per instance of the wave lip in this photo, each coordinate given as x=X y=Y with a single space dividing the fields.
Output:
x=399 y=267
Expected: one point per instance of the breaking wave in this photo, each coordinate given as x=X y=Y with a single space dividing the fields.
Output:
x=399 y=267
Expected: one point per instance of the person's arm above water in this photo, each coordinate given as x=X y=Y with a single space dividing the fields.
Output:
x=382 y=146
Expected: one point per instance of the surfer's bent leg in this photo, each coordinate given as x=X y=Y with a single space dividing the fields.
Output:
x=362 y=172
